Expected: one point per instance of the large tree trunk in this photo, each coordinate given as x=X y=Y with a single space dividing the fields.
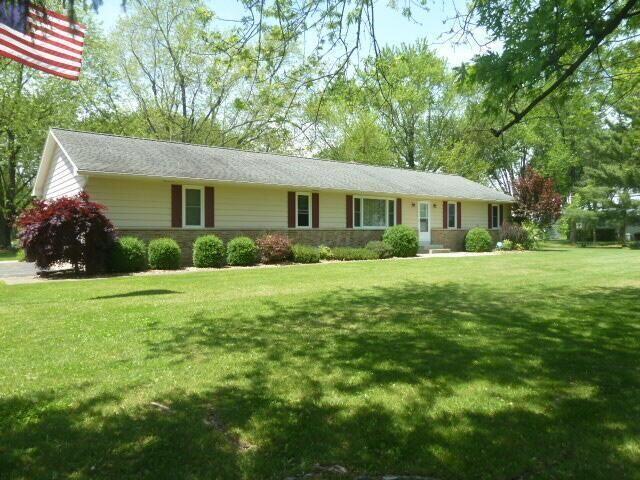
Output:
x=5 y=233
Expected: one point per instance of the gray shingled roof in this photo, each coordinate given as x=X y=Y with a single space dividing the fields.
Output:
x=98 y=153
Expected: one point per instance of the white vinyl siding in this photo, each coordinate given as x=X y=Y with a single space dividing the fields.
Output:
x=61 y=181
x=133 y=203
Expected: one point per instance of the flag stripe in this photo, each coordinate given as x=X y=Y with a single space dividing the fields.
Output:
x=57 y=42
x=37 y=47
x=56 y=32
x=57 y=17
x=51 y=42
x=60 y=72
x=39 y=57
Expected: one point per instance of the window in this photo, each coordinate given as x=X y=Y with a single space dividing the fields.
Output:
x=391 y=213
x=192 y=201
x=373 y=212
x=452 y=214
x=303 y=210
x=357 y=212
x=495 y=222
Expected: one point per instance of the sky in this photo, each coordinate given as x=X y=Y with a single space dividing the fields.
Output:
x=392 y=28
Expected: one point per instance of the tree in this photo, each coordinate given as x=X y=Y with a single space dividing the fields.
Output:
x=537 y=200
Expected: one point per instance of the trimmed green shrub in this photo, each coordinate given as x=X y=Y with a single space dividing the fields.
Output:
x=164 y=254
x=507 y=245
x=208 y=252
x=21 y=256
x=305 y=254
x=478 y=240
x=274 y=248
x=242 y=251
x=381 y=249
x=128 y=254
x=349 y=253
x=325 y=252
x=402 y=239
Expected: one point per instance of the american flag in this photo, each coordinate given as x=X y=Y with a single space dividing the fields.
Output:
x=41 y=39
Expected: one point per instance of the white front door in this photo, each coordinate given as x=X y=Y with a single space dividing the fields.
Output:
x=424 y=222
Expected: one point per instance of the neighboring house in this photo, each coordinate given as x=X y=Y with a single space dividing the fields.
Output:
x=157 y=188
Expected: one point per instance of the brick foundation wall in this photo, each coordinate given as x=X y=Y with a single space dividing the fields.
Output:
x=454 y=239
x=331 y=238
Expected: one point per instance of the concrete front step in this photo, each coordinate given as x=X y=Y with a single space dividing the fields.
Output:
x=439 y=250
x=429 y=247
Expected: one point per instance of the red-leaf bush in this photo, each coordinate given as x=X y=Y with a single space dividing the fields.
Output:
x=274 y=248
x=66 y=230
x=537 y=199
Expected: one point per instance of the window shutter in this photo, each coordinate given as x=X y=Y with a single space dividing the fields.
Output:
x=291 y=213
x=349 y=211
x=315 y=210
x=501 y=215
x=445 y=214
x=459 y=212
x=398 y=211
x=209 y=207
x=176 y=206
x=490 y=217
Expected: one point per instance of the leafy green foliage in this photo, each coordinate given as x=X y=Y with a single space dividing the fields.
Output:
x=242 y=251
x=305 y=254
x=478 y=240
x=209 y=252
x=164 y=254
x=352 y=253
x=515 y=234
x=325 y=252
x=382 y=249
x=129 y=254
x=402 y=239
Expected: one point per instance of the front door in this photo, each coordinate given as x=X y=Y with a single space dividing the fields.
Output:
x=424 y=222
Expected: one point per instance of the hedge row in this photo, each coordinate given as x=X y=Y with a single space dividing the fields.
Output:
x=130 y=254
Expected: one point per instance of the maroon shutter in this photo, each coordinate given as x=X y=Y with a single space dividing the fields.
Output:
x=398 y=211
x=445 y=214
x=490 y=218
x=315 y=210
x=349 y=211
x=501 y=215
x=459 y=212
x=176 y=206
x=209 y=204
x=291 y=214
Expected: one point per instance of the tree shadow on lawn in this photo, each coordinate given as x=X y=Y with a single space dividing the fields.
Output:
x=137 y=293
x=555 y=377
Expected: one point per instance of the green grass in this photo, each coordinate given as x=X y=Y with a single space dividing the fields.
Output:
x=519 y=366
x=6 y=255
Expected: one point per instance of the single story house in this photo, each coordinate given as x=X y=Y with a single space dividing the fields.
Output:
x=159 y=188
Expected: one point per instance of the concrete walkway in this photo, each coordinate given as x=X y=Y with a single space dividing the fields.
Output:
x=18 y=270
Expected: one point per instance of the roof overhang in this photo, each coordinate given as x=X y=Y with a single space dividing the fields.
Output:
x=51 y=145
x=93 y=173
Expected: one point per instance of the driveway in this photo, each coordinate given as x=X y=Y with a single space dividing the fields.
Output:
x=13 y=269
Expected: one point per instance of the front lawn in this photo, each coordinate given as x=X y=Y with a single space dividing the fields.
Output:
x=6 y=255
x=517 y=366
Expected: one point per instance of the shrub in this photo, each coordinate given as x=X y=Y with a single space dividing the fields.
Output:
x=208 y=251
x=305 y=254
x=634 y=245
x=128 y=254
x=381 y=249
x=402 y=239
x=507 y=245
x=274 y=248
x=325 y=252
x=514 y=233
x=534 y=235
x=20 y=255
x=242 y=251
x=349 y=253
x=164 y=254
x=478 y=240
x=67 y=229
